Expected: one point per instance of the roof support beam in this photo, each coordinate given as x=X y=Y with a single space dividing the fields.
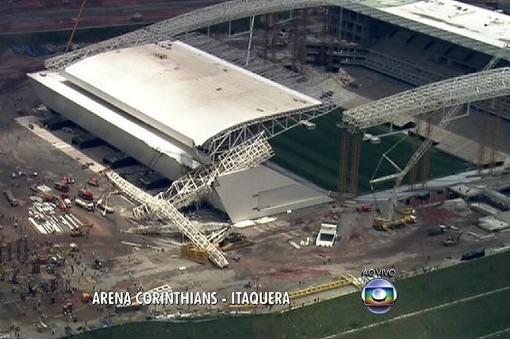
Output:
x=238 y=9
x=447 y=93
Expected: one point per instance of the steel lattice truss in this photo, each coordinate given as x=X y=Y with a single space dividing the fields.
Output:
x=195 y=185
x=238 y=9
x=186 y=23
x=271 y=126
x=406 y=71
x=447 y=93
x=205 y=228
x=172 y=214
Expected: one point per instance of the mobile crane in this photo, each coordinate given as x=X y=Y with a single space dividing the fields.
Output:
x=391 y=220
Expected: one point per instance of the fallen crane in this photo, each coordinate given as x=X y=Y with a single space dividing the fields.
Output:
x=170 y=213
x=192 y=187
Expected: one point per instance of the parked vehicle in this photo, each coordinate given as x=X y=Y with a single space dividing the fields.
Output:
x=86 y=194
x=10 y=198
x=84 y=204
x=62 y=186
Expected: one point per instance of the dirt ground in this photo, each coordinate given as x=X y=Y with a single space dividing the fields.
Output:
x=270 y=264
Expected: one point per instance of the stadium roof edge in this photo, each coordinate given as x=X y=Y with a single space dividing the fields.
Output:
x=237 y=9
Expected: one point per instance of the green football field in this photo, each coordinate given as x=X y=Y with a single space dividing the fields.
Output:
x=472 y=318
x=468 y=300
x=315 y=154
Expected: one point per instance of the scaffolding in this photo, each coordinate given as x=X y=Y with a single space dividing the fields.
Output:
x=426 y=156
x=172 y=214
x=417 y=140
x=299 y=41
x=196 y=184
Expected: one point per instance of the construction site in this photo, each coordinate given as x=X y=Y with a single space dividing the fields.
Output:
x=244 y=146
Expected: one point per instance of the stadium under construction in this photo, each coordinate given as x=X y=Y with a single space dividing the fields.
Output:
x=294 y=144
x=192 y=98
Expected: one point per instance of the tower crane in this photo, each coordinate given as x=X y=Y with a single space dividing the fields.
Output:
x=75 y=27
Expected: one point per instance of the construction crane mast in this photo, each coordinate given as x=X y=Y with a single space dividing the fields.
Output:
x=75 y=27
x=425 y=146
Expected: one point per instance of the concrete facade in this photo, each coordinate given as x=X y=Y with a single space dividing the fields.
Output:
x=263 y=191
x=130 y=141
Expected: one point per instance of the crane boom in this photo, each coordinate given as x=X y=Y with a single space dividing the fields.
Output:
x=420 y=152
x=76 y=23
x=425 y=146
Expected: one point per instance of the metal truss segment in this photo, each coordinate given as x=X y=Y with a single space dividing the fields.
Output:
x=447 y=93
x=238 y=9
x=184 y=225
x=272 y=126
x=194 y=186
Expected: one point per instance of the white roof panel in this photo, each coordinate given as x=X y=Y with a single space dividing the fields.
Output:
x=58 y=84
x=184 y=92
x=455 y=17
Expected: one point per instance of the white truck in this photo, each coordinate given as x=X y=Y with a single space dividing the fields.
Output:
x=327 y=235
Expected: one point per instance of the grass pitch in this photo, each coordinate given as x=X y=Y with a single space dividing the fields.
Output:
x=468 y=319
x=315 y=155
